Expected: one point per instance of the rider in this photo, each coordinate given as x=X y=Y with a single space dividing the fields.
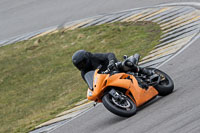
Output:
x=86 y=61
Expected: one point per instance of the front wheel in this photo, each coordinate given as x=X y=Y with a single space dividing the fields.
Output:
x=166 y=85
x=123 y=108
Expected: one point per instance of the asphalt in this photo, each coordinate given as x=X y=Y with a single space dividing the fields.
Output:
x=178 y=112
x=19 y=17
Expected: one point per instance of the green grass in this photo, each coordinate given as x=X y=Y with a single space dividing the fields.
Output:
x=38 y=79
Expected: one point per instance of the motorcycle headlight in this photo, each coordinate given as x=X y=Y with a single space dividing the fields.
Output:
x=95 y=80
x=89 y=93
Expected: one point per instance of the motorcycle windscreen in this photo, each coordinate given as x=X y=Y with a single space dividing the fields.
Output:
x=89 y=79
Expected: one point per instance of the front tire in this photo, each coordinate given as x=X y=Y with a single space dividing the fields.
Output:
x=128 y=109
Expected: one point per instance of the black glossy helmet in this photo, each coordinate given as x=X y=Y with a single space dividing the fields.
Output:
x=80 y=59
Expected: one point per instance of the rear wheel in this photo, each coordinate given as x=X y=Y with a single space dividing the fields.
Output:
x=166 y=85
x=123 y=108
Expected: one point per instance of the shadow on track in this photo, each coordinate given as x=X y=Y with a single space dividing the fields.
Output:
x=156 y=99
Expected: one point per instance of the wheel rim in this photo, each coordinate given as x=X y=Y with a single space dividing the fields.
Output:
x=164 y=80
x=125 y=104
x=126 y=111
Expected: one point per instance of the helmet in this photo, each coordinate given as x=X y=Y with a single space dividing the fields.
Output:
x=80 y=59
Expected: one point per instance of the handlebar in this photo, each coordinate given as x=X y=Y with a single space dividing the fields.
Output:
x=106 y=71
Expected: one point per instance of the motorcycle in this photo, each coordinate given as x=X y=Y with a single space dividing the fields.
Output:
x=123 y=92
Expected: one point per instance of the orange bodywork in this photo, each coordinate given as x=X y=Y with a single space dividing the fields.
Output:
x=103 y=81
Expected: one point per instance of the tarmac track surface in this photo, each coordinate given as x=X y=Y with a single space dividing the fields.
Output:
x=178 y=112
x=23 y=16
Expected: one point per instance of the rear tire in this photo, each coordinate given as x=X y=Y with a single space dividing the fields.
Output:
x=111 y=105
x=166 y=86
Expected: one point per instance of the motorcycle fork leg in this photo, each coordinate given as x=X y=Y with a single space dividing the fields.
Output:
x=115 y=95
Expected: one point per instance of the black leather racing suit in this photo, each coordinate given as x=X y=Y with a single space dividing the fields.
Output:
x=96 y=59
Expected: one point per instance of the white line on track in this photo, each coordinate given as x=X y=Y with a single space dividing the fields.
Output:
x=74 y=118
x=182 y=49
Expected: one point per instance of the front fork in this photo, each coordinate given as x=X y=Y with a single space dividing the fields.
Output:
x=116 y=95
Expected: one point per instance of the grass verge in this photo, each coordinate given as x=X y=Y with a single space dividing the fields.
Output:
x=38 y=80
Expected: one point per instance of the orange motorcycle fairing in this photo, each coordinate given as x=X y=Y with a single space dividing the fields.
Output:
x=141 y=95
x=120 y=80
x=99 y=83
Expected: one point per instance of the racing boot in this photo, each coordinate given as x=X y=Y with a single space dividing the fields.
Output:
x=146 y=71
